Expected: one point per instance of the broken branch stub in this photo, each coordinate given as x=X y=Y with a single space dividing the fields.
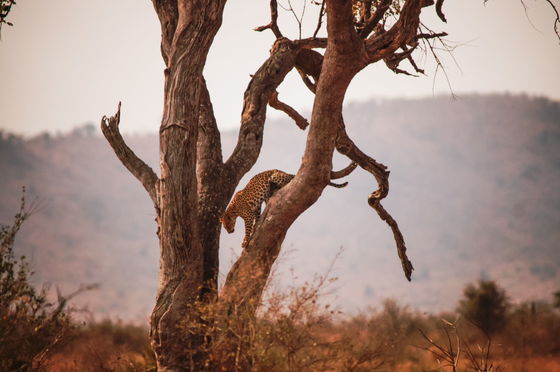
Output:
x=135 y=165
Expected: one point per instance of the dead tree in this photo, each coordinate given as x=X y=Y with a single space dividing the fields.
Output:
x=195 y=183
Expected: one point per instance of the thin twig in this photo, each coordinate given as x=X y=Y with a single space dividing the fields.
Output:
x=320 y=19
x=291 y=9
x=273 y=25
x=557 y=20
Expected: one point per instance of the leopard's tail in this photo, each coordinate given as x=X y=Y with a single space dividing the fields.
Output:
x=338 y=185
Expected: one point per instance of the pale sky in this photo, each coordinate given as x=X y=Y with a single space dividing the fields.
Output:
x=67 y=62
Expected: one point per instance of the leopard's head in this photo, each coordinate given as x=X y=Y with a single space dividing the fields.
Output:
x=228 y=220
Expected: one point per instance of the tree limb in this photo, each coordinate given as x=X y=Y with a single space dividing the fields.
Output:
x=346 y=146
x=168 y=15
x=257 y=95
x=135 y=165
x=320 y=19
x=439 y=11
x=403 y=32
x=273 y=25
x=431 y=35
x=311 y=43
x=344 y=172
x=274 y=102
x=395 y=59
x=308 y=83
x=377 y=16
x=309 y=63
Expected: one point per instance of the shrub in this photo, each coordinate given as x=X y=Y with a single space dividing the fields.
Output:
x=30 y=325
x=485 y=305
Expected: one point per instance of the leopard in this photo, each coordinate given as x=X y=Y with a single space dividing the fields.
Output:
x=247 y=202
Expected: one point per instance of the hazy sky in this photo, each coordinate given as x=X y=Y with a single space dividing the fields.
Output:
x=66 y=62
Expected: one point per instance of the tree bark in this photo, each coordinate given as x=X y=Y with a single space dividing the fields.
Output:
x=188 y=29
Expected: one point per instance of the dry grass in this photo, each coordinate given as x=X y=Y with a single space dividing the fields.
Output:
x=295 y=332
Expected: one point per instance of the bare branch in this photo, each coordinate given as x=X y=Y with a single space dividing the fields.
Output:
x=63 y=300
x=374 y=19
x=274 y=102
x=403 y=32
x=257 y=95
x=273 y=25
x=140 y=170
x=311 y=43
x=413 y=63
x=439 y=65
x=298 y=19
x=344 y=172
x=5 y=8
x=431 y=35
x=439 y=4
x=320 y=19
x=346 y=146
x=557 y=20
x=311 y=86
x=394 y=60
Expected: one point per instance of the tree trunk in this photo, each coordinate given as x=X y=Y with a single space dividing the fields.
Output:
x=186 y=40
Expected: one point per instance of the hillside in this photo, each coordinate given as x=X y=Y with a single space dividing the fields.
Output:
x=475 y=186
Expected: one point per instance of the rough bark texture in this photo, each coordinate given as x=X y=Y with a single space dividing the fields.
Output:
x=188 y=28
x=195 y=184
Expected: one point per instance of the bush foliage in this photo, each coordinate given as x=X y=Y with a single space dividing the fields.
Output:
x=30 y=325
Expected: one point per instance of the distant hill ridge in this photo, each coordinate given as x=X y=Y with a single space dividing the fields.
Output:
x=474 y=185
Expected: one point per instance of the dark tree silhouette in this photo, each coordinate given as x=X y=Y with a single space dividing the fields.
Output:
x=485 y=305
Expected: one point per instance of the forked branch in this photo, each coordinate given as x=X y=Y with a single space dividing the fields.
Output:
x=374 y=19
x=403 y=32
x=273 y=25
x=135 y=165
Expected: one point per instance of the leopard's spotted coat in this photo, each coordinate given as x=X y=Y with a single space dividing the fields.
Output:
x=247 y=203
